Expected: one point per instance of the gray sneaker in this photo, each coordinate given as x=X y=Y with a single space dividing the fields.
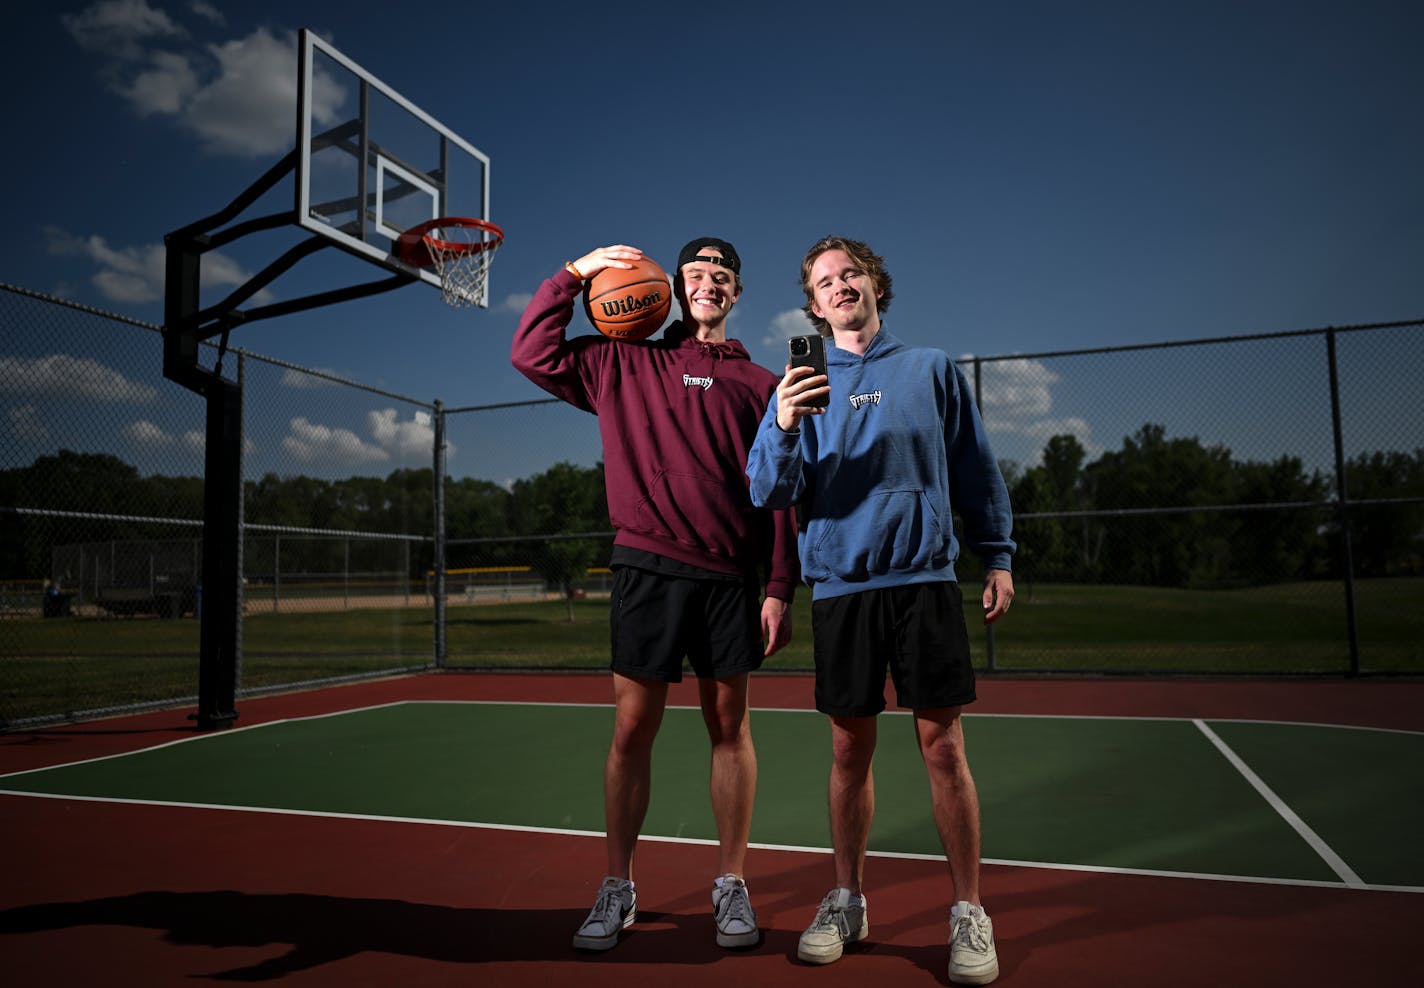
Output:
x=736 y=919
x=837 y=924
x=972 y=957
x=613 y=912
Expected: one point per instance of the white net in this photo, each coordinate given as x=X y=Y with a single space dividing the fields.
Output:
x=462 y=256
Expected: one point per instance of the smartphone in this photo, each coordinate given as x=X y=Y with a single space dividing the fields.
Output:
x=810 y=351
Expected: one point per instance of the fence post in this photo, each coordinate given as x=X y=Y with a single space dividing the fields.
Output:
x=219 y=666
x=439 y=534
x=989 y=651
x=1342 y=502
x=240 y=549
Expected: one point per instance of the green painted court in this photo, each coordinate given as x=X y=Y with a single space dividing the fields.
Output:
x=1254 y=800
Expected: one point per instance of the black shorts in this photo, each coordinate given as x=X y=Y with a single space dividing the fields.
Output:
x=916 y=630
x=657 y=620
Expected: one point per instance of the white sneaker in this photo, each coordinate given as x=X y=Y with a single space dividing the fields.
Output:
x=612 y=913
x=972 y=958
x=837 y=924
x=732 y=909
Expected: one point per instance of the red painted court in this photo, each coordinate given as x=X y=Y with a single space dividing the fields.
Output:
x=126 y=894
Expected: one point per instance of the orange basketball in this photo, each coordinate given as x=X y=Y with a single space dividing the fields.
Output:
x=628 y=303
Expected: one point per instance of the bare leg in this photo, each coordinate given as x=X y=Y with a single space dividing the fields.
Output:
x=953 y=796
x=734 y=767
x=852 y=796
x=627 y=774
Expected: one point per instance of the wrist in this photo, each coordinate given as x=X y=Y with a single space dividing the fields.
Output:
x=572 y=269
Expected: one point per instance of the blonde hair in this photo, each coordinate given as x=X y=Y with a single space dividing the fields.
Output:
x=865 y=258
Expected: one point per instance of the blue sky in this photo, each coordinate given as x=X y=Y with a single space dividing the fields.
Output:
x=1039 y=176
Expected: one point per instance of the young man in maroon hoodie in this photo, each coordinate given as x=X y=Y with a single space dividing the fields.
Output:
x=677 y=417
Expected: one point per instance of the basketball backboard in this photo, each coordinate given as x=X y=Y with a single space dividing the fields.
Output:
x=371 y=164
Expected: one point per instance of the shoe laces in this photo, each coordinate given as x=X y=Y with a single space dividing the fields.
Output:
x=608 y=907
x=830 y=914
x=734 y=904
x=969 y=932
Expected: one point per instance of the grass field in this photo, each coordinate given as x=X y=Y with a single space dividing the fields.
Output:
x=72 y=664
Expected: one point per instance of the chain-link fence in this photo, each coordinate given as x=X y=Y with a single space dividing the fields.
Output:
x=1243 y=505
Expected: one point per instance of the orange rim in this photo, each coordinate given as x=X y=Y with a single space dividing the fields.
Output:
x=416 y=244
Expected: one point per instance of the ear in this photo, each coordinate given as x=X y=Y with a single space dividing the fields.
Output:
x=816 y=310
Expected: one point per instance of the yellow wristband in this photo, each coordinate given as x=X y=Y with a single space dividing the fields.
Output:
x=569 y=266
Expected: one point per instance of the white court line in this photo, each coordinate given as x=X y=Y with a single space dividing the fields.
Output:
x=1327 y=853
x=1348 y=877
x=200 y=737
x=788 y=848
x=777 y=710
x=968 y=715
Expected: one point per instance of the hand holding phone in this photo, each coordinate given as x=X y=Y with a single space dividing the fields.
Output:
x=810 y=351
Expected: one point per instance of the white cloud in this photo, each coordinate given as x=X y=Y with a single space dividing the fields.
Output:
x=410 y=439
x=390 y=439
x=239 y=96
x=25 y=423
x=299 y=381
x=792 y=322
x=151 y=437
x=1072 y=425
x=1018 y=400
x=250 y=108
x=120 y=28
x=220 y=271
x=145 y=433
x=1017 y=389
x=129 y=274
x=516 y=302
x=136 y=274
x=311 y=443
x=164 y=88
x=208 y=12
x=60 y=375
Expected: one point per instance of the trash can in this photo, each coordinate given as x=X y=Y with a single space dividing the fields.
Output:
x=55 y=603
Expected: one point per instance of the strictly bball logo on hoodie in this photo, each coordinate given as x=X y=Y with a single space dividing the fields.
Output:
x=688 y=381
x=868 y=398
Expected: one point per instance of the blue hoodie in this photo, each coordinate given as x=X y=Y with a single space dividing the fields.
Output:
x=876 y=476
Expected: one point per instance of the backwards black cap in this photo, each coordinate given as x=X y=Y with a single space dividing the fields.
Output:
x=729 y=258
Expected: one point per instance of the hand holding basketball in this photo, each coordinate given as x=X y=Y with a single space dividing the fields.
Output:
x=626 y=296
x=616 y=256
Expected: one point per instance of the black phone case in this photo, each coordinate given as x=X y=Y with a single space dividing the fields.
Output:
x=809 y=351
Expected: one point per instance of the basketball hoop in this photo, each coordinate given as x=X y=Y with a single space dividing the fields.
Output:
x=460 y=250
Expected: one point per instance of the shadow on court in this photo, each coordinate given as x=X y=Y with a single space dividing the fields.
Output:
x=321 y=929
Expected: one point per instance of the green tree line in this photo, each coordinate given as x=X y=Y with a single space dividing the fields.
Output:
x=1213 y=521
x=565 y=498
x=1226 y=523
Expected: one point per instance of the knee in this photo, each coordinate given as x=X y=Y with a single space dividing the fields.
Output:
x=851 y=754
x=944 y=755
x=634 y=735
x=727 y=728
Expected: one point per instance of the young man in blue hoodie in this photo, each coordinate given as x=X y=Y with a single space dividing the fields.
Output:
x=876 y=474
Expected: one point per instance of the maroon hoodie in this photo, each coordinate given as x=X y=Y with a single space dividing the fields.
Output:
x=677 y=417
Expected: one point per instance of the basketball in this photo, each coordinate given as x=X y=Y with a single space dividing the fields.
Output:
x=628 y=303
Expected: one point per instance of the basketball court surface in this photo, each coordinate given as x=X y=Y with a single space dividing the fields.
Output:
x=446 y=829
